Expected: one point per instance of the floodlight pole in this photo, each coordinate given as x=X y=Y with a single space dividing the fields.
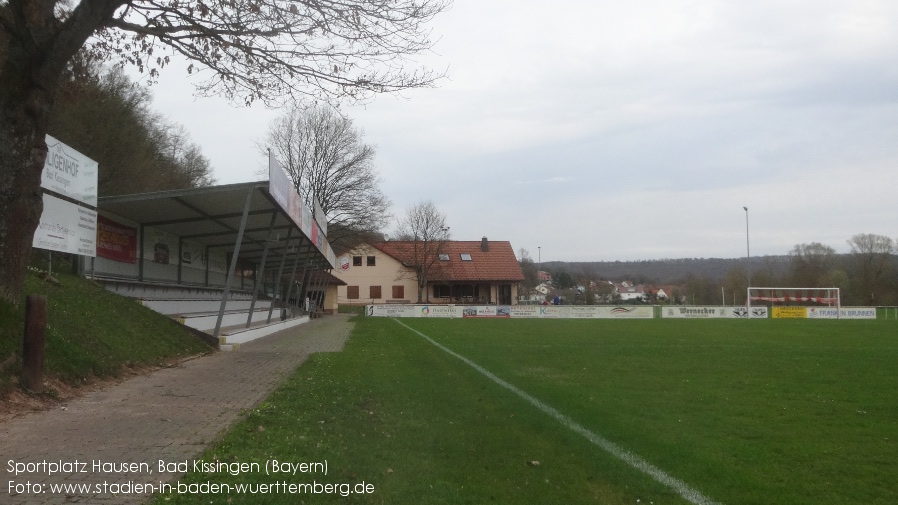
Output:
x=747 y=265
x=539 y=265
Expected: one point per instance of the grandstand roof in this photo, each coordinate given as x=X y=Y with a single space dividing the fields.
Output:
x=212 y=217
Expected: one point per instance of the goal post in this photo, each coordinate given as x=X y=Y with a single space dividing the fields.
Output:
x=829 y=297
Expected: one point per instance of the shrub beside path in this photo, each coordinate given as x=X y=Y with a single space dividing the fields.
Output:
x=170 y=415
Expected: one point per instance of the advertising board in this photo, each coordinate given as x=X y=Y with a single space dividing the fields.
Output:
x=690 y=312
x=116 y=241
x=66 y=227
x=510 y=311
x=790 y=312
x=69 y=173
x=282 y=190
x=842 y=313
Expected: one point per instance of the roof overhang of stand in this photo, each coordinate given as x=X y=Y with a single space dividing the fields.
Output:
x=212 y=216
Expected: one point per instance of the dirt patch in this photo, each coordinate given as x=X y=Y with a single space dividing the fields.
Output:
x=56 y=393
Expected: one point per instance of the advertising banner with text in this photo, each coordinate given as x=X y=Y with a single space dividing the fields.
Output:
x=682 y=312
x=510 y=311
x=843 y=313
x=66 y=227
x=69 y=173
x=116 y=241
x=790 y=312
x=282 y=190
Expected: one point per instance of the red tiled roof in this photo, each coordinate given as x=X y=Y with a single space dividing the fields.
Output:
x=497 y=264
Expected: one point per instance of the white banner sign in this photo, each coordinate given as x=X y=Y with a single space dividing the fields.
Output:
x=510 y=311
x=69 y=173
x=66 y=227
x=281 y=188
x=843 y=313
x=690 y=312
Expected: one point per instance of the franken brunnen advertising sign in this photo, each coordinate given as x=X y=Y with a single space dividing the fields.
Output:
x=66 y=226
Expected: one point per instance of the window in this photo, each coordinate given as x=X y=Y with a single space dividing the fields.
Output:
x=352 y=292
x=444 y=257
x=371 y=261
x=374 y=291
x=465 y=257
x=356 y=261
x=462 y=290
x=442 y=291
x=398 y=292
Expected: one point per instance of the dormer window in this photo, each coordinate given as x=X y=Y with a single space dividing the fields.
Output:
x=465 y=257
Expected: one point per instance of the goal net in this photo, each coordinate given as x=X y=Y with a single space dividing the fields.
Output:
x=828 y=297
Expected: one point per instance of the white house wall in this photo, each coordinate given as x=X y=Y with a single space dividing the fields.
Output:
x=386 y=273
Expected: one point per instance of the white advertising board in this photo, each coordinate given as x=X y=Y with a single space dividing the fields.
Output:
x=412 y=311
x=282 y=190
x=843 y=313
x=510 y=311
x=690 y=312
x=69 y=173
x=66 y=227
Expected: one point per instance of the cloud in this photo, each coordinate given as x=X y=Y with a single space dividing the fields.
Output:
x=613 y=130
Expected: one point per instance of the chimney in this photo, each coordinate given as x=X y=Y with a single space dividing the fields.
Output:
x=484 y=245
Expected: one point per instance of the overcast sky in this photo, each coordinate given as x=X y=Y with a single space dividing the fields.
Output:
x=613 y=130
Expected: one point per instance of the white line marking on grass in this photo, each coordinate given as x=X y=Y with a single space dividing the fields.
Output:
x=683 y=489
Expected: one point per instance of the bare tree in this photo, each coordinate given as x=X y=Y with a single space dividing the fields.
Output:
x=528 y=267
x=326 y=157
x=249 y=50
x=811 y=265
x=425 y=232
x=872 y=265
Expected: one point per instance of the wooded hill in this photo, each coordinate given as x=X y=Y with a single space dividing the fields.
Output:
x=667 y=271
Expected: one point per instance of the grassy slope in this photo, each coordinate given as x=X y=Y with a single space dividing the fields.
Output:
x=92 y=332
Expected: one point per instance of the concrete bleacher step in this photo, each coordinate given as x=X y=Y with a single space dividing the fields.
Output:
x=171 y=307
x=205 y=321
x=202 y=316
x=231 y=337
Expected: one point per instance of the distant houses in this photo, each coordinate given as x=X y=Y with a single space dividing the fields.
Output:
x=610 y=292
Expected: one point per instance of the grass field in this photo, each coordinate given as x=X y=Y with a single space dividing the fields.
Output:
x=745 y=412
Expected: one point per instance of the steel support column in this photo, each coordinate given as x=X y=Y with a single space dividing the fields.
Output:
x=260 y=274
x=230 y=277
x=277 y=280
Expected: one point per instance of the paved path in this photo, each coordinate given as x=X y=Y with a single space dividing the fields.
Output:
x=171 y=415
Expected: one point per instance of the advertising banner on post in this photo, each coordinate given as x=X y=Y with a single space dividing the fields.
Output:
x=66 y=227
x=69 y=173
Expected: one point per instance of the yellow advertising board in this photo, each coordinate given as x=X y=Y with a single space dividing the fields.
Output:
x=790 y=312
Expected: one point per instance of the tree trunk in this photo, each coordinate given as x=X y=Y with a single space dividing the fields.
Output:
x=35 y=47
x=26 y=96
x=24 y=149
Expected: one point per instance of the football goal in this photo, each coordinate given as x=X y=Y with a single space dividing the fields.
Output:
x=828 y=297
